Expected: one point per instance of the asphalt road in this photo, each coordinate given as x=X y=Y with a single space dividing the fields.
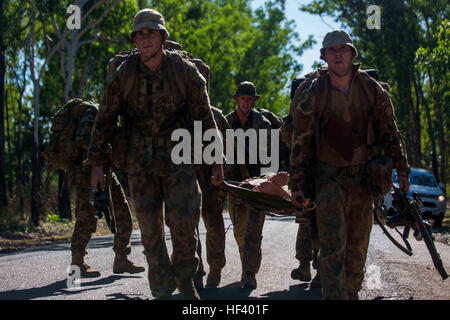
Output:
x=41 y=272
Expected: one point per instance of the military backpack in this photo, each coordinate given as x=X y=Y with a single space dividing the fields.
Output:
x=62 y=151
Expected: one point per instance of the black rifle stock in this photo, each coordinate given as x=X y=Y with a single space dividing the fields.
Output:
x=410 y=211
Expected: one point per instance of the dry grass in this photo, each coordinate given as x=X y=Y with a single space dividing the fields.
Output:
x=48 y=232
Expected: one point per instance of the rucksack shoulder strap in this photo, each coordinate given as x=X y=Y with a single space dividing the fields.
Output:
x=258 y=119
x=124 y=65
x=180 y=70
x=275 y=121
x=370 y=86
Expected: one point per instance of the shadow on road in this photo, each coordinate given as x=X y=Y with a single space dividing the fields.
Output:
x=58 y=288
x=232 y=291
x=95 y=243
x=121 y=296
x=297 y=292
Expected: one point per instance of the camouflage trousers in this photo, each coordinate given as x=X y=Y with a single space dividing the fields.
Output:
x=175 y=186
x=247 y=228
x=86 y=222
x=211 y=212
x=307 y=244
x=344 y=221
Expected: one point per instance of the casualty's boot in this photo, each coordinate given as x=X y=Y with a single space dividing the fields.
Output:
x=85 y=270
x=303 y=272
x=122 y=265
x=213 y=279
x=187 y=289
x=249 y=281
x=315 y=282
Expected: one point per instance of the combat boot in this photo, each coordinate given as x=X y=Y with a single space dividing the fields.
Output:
x=187 y=289
x=315 y=282
x=213 y=279
x=249 y=281
x=85 y=270
x=302 y=273
x=122 y=265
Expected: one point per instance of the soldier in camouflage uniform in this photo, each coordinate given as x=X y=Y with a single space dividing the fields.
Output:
x=212 y=208
x=247 y=223
x=342 y=119
x=152 y=109
x=86 y=221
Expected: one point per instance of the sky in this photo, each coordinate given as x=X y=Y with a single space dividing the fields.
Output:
x=306 y=24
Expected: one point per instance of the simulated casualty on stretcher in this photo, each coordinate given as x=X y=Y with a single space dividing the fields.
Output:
x=268 y=193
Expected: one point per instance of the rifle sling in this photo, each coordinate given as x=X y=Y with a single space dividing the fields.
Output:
x=395 y=242
x=404 y=236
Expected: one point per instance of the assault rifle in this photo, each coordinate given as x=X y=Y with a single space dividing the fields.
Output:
x=100 y=201
x=380 y=217
x=408 y=215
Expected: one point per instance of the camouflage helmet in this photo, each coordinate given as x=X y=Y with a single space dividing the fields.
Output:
x=148 y=18
x=246 y=88
x=337 y=37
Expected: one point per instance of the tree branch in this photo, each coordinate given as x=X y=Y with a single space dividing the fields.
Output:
x=100 y=19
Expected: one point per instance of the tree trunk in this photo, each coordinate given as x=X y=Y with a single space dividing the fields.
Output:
x=417 y=130
x=35 y=162
x=35 y=204
x=434 y=164
x=72 y=49
x=442 y=144
x=3 y=200
x=410 y=138
x=8 y=143
x=72 y=46
x=19 y=177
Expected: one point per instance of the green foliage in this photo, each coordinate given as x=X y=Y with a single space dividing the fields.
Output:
x=236 y=42
x=238 y=45
x=53 y=217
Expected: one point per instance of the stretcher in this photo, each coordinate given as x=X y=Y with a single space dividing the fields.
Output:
x=269 y=204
